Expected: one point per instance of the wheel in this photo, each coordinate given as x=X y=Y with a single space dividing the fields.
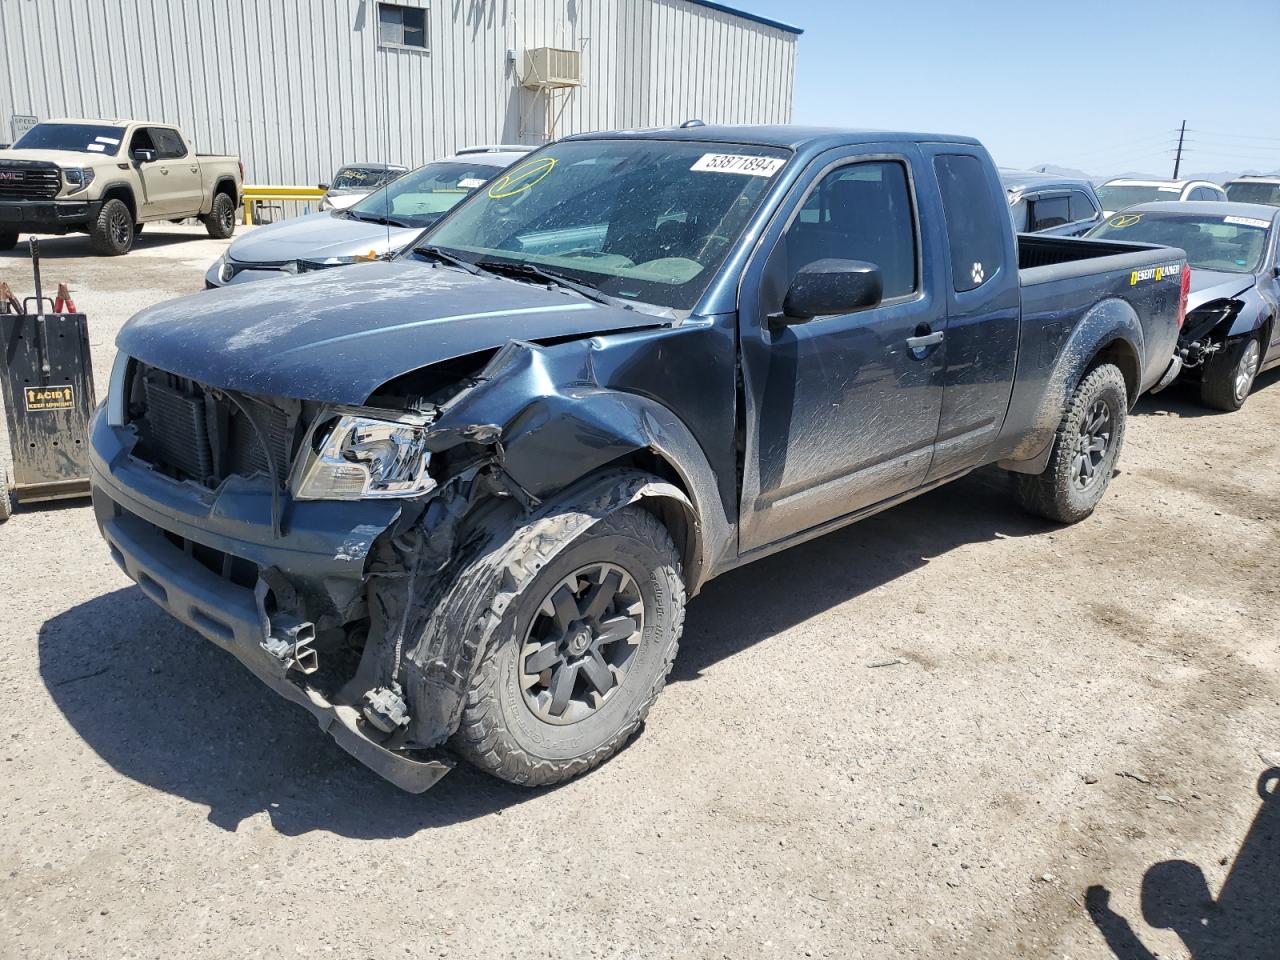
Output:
x=112 y=233
x=578 y=656
x=8 y=239
x=1229 y=373
x=1085 y=450
x=6 y=501
x=221 y=219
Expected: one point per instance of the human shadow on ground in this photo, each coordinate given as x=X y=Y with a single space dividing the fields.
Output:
x=1242 y=923
x=169 y=710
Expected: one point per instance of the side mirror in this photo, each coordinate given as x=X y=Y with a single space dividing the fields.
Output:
x=832 y=286
x=322 y=186
x=144 y=156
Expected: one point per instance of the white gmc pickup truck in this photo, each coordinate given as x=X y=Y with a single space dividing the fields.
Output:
x=107 y=178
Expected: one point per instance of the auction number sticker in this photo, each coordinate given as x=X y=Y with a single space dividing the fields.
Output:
x=738 y=163
x=1247 y=222
x=49 y=398
x=1166 y=271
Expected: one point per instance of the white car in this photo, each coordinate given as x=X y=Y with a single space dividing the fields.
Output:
x=1120 y=193
x=355 y=181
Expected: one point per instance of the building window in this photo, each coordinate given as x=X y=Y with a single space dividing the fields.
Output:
x=401 y=26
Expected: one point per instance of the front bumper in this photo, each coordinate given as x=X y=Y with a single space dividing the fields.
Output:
x=321 y=556
x=47 y=216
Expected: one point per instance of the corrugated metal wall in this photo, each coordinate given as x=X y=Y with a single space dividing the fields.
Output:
x=298 y=87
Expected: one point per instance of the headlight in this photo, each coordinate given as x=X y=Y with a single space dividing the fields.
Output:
x=361 y=457
x=78 y=177
x=226 y=270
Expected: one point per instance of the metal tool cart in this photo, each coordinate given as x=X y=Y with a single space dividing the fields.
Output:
x=48 y=395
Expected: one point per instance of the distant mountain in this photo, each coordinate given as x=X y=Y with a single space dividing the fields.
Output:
x=1217 y=176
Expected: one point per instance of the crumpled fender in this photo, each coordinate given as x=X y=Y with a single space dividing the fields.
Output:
x=559 y=434
x=1110 y=322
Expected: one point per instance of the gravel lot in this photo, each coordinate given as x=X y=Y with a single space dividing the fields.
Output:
x=1063 y=709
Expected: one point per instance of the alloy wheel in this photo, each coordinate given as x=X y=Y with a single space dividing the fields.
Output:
x=580 y=643
x=1092 y=444
x=1247 y=369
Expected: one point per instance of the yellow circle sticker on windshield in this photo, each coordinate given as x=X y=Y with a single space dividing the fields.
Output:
x=521 y=178
x=1124 y=220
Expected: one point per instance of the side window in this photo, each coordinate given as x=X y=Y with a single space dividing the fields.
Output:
x=1082 y=207
x=974 y=233
x=169 y=143
x=141 y=140
x=862 y=211
x=1049 y=212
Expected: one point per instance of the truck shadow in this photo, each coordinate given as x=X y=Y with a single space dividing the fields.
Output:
x=167 y=709
x=1183 y=399
x=1241 y=923
x=76 y=245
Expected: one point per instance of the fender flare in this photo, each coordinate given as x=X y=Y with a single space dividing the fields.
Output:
x=223 y=181
x=127 y=187
x=1110 y=328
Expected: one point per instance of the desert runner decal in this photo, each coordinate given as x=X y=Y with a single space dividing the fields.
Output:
x=1166 y=271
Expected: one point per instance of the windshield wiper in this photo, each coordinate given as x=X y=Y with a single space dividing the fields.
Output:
x=387 y=221
x=531 y=271
x=433 y=252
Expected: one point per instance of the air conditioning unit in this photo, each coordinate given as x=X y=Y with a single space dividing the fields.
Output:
x=546 y=68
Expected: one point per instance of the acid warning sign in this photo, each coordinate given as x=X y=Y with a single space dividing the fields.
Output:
x=49 y=398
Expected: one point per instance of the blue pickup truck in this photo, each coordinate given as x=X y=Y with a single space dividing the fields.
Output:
x=454 y=503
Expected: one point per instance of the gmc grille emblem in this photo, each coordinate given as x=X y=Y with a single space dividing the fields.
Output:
x=10 y=175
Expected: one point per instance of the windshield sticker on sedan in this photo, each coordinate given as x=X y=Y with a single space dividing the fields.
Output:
x=520 y=179
x=1247 y=222
x=1169 y=189
x=1166 y=271
x=470 y=183
x=1124 y=220
x=738 y=163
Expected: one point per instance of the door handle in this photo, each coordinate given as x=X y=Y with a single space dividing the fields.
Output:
x=922 y=344
x=164 y=171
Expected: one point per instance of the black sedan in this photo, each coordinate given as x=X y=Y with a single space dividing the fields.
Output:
x=1231 y=332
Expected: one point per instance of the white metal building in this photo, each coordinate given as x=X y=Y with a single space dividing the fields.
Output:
x=298 y=87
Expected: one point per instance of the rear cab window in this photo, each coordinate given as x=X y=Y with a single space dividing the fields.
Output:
x=974 y=233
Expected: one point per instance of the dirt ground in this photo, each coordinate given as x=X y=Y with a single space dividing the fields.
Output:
x=1062 y=757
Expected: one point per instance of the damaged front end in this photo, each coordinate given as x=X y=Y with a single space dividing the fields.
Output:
x=303 y=539
x=1206 y=329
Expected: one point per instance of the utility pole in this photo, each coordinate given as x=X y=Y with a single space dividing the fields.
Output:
x=1177 y=160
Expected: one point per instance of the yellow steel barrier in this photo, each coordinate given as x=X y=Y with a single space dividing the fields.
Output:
x=254 y=194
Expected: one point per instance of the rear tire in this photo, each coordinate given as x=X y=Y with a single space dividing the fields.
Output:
x=8 y=239
x=1229 y=374
x=6 y=501
x=112 y=233
x=221 y=218
x=535 y=713
x=1085 y=450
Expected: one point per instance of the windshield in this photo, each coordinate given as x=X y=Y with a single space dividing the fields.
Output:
x=1230 y=244
x=646 y=220
x=419 y=198
x=362 y=178
x=81 y=137
x=1268 y=193
x=1117 y=198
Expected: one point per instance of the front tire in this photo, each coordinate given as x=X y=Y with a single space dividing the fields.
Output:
x=8 y=239
x=6 y=501
x=1229 y=374
x=221 y=219
x=112 y=233
x=579 y=655
x=1085 y=450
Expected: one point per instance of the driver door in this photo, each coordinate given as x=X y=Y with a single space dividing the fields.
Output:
x=842 y=412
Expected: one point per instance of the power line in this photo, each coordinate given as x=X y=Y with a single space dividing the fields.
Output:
x=1241 y=136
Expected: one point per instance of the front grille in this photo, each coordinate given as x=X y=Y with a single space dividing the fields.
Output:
x=194 y=433
x=29 y=180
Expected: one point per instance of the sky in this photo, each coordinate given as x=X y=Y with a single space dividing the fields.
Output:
x=1097 y=86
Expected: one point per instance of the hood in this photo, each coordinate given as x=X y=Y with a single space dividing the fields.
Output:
x=316 y=236
x=63 y=158
x=338 y=335
x=1207 y=285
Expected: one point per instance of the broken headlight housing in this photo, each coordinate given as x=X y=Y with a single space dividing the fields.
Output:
x=362 y=457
